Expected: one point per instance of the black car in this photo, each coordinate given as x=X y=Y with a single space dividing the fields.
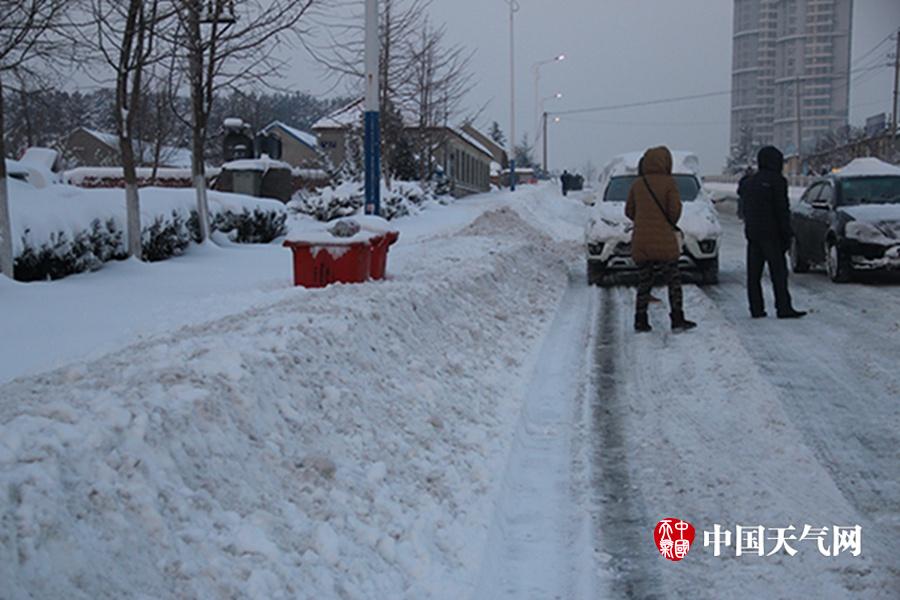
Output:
x=849 y=222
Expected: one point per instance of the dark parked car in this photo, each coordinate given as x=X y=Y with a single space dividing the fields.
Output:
x=849 y=221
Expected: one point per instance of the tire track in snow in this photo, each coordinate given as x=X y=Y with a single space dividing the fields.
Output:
x=621 y=517
x=536 y=548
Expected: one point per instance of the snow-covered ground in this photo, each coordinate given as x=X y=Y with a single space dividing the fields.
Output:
x=211 y=431
x=482 y=425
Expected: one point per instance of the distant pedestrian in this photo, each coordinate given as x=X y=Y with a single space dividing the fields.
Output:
x=564 y=179
x=654 y=205
x=767 y=227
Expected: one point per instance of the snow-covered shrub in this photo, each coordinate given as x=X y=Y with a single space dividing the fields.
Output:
x=329 y=203
x=404 y=198
x=60 y=256
x=168 y=236
x=256 y=227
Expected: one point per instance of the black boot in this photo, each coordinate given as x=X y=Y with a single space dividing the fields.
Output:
x=792 y=314
x=642 y=323
x=679 y=323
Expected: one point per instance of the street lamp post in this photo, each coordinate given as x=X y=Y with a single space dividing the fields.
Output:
x=513 y=9
x=555 y=120
x=372 y=119
x=556 y=96
x=536 y=69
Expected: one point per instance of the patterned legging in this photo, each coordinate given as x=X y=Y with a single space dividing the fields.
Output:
x=670 y=275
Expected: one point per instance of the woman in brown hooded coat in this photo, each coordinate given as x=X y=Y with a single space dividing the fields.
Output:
x=655 y=207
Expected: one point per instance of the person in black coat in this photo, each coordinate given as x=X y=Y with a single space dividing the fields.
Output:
x=767 y=227
x=564 y=179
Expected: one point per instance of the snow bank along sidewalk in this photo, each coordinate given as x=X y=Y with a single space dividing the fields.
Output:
x=337 y=443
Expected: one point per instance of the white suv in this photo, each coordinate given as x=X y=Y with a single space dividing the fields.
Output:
x=608 y=234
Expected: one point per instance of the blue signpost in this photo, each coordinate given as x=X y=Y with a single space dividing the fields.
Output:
x=373 y=120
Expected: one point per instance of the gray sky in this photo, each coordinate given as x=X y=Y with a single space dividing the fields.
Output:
x=622 y=51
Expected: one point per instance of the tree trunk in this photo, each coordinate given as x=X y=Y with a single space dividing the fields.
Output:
x=6 y=247
x=198 y=122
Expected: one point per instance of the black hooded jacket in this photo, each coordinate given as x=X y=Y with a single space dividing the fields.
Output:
x=764 y=198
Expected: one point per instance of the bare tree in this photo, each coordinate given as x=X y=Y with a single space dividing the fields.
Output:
x=25 y=35
x=227 y=44
x=340 y=49
x=125 y=37
x=434 y=93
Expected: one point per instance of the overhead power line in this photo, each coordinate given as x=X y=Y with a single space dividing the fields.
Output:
x=577 y=111
x=637 y=104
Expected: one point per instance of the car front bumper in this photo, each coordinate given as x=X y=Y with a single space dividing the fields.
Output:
x=617 y=256
x=870 y=261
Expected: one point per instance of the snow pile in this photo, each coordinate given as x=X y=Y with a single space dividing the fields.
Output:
x=338 y=443
x=402 y=199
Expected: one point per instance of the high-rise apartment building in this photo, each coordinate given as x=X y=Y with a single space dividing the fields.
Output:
x=781 y=47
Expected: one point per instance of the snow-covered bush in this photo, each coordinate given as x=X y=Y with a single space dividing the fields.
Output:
x=246 y=227
x=329 y=203
x=61 y=256
x=404 y=198
x=166 y=236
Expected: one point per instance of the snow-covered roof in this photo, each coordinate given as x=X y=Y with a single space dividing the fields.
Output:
x=263 y=163
x=471 y=140
x=346 y=116
x=351 y=115
x=301 y=136
x=107 y=138
x=867 y=167
x=171 y=156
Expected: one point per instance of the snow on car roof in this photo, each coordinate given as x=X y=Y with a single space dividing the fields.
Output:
x=626 y=164
x=867 y=167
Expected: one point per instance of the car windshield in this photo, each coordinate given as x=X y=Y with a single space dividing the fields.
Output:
x=617 y=190
x=870 y=190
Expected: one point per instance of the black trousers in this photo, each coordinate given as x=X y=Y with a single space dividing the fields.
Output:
x=760 y=254
x=670 y=275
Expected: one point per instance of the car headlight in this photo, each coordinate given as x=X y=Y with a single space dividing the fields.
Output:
x=864 y=232
x=707 y=246
x=596 y=249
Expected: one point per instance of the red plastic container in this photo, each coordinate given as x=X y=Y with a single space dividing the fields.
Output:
x=318 y=265
x=380 y=247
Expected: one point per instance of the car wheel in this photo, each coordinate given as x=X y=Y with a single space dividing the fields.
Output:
x=836 y=264
x=596 y=273
x=709 y=271
x=798 y=263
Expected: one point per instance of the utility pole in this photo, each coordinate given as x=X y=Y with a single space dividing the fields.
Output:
x=545 y=141
x=896 y=89
x=798 y=125
x=513 y=8
x=373 y=117
x=6 y=244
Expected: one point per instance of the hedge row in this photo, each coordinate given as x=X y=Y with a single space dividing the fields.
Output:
x=165 y=237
